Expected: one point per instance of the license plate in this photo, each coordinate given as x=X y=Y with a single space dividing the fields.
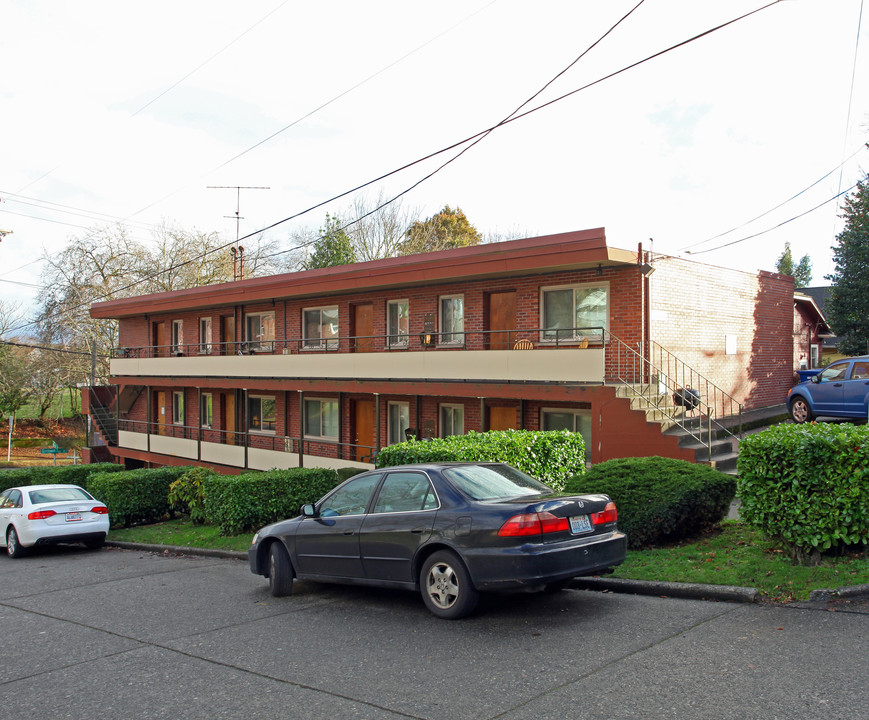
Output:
x=580 y=524
x=73 y=516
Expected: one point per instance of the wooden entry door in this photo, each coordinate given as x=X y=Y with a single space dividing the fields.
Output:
x=228 y=417
x=363 y=328
x=160 y=339
x=164 y=411
x=364 y=425
x=502 y=418
x=227 y=335
x=502 y=320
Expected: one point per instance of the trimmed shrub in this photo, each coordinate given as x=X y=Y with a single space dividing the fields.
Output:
x=552 y=457
x=345 y=473
x=807 y=486
x=240 y=503
x=135 y=496
x=46 y=475
x=659 y=500
x=187 y=494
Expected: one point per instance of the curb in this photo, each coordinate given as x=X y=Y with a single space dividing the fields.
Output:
x=178 y=550
x=690 y=591
x=825 y=595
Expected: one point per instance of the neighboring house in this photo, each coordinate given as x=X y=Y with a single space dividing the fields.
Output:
x=324 y=367
x=810 y=332
x=829 y=341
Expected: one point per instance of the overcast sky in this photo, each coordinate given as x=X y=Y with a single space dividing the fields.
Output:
x=129 y=111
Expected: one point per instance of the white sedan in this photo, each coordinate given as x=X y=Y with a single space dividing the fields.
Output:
x=48 y=514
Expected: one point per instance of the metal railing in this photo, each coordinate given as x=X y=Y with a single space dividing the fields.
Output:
x=540 y=338
x=676 y=391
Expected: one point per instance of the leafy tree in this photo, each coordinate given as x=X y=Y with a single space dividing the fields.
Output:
x=444 y=230
x=848 y=305
x=802 y=273
x=14 y=386
x=332 y=247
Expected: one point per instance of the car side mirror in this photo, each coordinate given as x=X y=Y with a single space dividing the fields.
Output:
x=309 y=511
x=815 y=379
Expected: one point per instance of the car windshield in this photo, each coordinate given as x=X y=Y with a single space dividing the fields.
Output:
x=47 y=495
x=494 y=482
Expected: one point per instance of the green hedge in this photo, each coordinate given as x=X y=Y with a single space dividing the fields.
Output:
x=45 y=475
x=807 y=486
x=239 y=503
x=659 y=500
x=135 y=496
x=552 y=457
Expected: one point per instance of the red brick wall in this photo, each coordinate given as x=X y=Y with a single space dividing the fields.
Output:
x=693 y=307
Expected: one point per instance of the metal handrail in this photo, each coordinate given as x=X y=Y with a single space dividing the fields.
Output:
x=673 y=388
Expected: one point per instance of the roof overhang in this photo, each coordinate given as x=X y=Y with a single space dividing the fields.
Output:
x=564 y=251
x=813 y=310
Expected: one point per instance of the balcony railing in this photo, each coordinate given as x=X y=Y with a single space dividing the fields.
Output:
x=542 y=338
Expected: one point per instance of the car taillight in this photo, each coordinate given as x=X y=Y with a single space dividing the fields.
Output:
x=100 y=510
x=41 y=514
x=532 y=524
x=608 y=515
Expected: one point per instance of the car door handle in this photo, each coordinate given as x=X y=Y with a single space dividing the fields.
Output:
x=349 y=532
x=418 y=531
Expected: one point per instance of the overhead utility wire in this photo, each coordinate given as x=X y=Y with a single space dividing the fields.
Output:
x=775 y=227
x=177 y=83
x=431 y=155
x=781 y=204
x=51 y=349
x=317 y=109
x=484 y=135
x=851 y=91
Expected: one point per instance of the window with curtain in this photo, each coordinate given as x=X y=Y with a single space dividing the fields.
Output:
x=574 y=312
x=452 y=320
x=320 y=327
x=321 y=418
x=398 y=322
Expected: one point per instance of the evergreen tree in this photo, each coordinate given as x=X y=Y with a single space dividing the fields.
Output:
x=333 y=247
x=802 y=273
x=848 y=305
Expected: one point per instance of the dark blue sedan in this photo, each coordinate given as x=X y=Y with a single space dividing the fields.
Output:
x=449 y=531
x=840 y=390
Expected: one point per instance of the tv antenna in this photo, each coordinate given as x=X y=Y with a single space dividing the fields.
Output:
x=237 y=251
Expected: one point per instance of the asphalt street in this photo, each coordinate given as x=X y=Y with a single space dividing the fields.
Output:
x=133 y=634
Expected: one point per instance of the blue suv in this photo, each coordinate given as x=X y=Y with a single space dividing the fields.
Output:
x=839 y=390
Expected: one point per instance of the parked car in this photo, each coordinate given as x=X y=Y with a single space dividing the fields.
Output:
x=446 y=530
x=48 y=514
x=839 y=390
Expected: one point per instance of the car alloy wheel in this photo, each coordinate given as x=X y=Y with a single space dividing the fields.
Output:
x=800 y=410
x=446 y=586
x=13 y=545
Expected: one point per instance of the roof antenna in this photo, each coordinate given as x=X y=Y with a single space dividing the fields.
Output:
x=237 y=251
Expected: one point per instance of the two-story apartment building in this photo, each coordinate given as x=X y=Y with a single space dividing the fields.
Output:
x=324 y=367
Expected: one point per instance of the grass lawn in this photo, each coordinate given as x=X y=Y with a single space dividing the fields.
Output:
x=738 y=555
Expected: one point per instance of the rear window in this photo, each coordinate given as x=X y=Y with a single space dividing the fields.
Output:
x=48 y=495
x=494 y=482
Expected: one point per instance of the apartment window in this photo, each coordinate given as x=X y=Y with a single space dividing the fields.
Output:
x=321 y=418
x=815 y=355
x=261 y=413
x=178 y=408
x=260 y=329
x=205 y=336
x=452 y=319
x=452 y=420
x=398 y=322
x=574 y=312
x=578 y=421
x=206 y=410
x=320 y=327
x=398 y=421
x=177 y=337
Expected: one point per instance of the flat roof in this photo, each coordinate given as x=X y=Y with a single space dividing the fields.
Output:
x=563 y=251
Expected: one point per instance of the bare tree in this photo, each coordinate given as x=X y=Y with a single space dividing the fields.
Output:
x=380 y=226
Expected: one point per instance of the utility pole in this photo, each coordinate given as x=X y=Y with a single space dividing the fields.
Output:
x=237 y=251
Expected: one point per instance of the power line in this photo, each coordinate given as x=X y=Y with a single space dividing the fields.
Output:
x=50 y=349
x=453 y=146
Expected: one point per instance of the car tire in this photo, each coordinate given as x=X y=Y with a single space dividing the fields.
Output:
x=13 y=545
x=446 y=586
x=800 y=410
x=280 y=570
